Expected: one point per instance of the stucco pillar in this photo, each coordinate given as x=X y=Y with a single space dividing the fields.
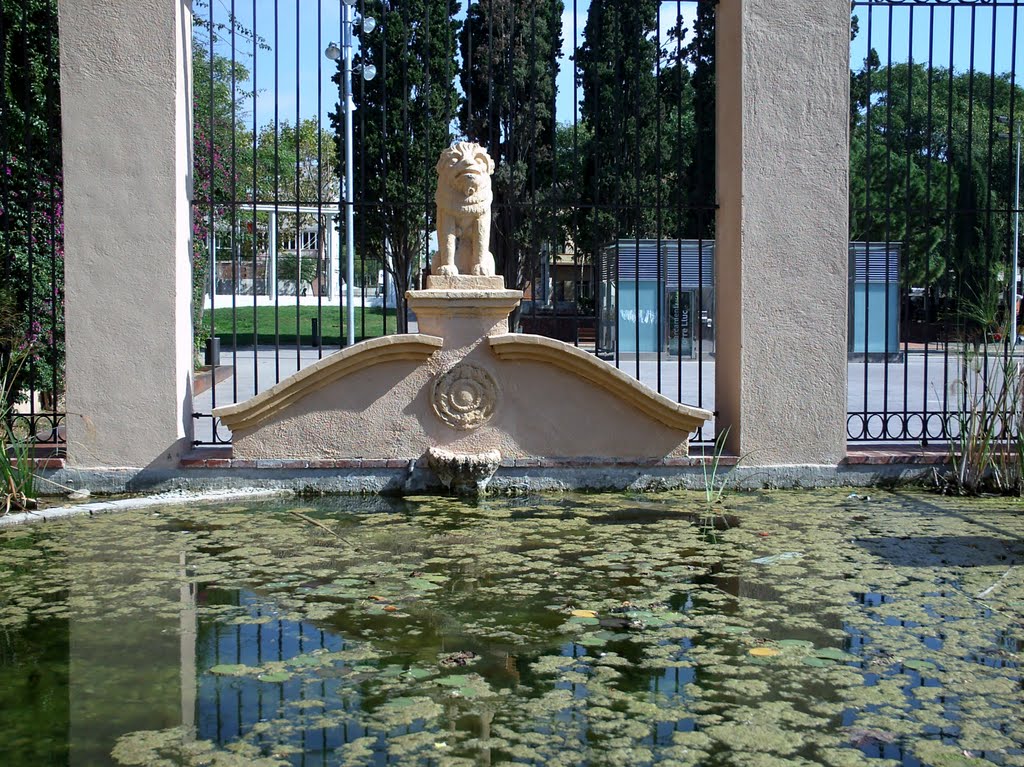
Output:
x=783 y=82
x=125 y=101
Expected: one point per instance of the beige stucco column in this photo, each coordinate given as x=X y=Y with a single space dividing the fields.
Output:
x=125 y=72
x=782 y=228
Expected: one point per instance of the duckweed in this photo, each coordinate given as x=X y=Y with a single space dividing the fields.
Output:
x=812 y=628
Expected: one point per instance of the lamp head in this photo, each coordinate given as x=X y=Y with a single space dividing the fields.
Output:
x=333 y=51
x=369 y=24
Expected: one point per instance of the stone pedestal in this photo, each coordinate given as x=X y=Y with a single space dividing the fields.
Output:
x=464 y=309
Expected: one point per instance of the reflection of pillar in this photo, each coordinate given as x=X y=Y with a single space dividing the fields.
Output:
x=272 y=256
x=187 y=640
x=486 y=717
x=122 y=681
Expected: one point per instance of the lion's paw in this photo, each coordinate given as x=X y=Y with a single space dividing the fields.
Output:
x=448 y=270
x=481 y=270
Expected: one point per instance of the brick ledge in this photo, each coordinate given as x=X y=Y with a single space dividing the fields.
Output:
x=221 y=458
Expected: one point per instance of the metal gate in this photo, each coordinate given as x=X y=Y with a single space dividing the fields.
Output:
x=599 y=116
x=935 y=113
x=31 y=227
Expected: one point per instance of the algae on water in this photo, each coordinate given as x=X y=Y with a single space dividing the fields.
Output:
x=598 y=630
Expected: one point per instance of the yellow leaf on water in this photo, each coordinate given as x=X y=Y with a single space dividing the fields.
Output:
x=764 y=652
x=584 y=614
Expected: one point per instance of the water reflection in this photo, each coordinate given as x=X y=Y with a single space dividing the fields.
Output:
x=229 y=707
x=433 y=639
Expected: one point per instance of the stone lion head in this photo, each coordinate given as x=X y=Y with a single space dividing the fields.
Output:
x=466 y=167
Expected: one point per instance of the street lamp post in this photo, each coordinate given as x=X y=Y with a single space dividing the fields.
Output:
x=1016 y=237
x=344 y=52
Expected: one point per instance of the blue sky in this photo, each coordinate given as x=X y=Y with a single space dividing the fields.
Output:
x=907 y=29
x=303 y=88
x=304 y=28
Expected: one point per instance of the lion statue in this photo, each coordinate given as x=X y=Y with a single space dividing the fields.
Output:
x=464 y=212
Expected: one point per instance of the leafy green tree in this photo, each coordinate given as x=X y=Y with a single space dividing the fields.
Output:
x=296 y=165
x=510 y=54
x=930 y=170
x=402 y=123
x=222 y=143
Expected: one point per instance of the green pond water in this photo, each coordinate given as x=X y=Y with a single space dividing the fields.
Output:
x=793 y=628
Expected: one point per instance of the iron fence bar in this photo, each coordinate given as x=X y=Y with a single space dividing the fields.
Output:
x=949 y=212
x=970 y=175
x=679 y=213
x=212 y=225
x=700 y=321
x=888 y=235
x=297 y=133
x=234 y=213
x=345 y=200
x=321 y=225
x=660 y=293
x=255 y=222
x=429 y=125
x=361 y=221
x=277 y=197
x=6 y=246
x=869 y=218
x=52 y=101
x=30 y=200
x=928 y=204
x=1013 y=129
x=636 y=213
x=385 y=199
x=902 y=267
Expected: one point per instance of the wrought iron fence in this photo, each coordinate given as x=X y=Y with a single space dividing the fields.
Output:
x=599 y=116
x=935 y=115
x=31 y=226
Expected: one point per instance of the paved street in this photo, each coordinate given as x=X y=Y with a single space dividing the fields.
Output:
x=923 y=384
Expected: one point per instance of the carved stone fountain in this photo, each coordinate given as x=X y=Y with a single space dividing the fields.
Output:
x=463 y=396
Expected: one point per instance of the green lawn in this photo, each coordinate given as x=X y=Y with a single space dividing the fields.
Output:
x=278 y=324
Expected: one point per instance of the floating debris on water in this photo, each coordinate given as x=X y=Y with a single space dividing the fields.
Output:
x=581 y=630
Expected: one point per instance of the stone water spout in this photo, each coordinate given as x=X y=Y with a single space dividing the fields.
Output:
x=463 y=400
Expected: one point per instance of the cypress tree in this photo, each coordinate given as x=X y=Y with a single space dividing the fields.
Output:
x=617 y=64
x=402 y=123
x=510 y=60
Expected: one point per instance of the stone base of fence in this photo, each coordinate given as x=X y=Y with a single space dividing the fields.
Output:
x=216 y=469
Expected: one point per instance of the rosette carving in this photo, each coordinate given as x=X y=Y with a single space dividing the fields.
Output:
x=465 y=396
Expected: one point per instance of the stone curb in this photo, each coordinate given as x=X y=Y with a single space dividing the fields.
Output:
x=126 y=504
x=408 y=478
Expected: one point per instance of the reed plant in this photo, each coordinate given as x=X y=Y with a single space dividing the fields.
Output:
x=17 y=464
x=715 y=480
x=17 y=472
x=987 y=452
